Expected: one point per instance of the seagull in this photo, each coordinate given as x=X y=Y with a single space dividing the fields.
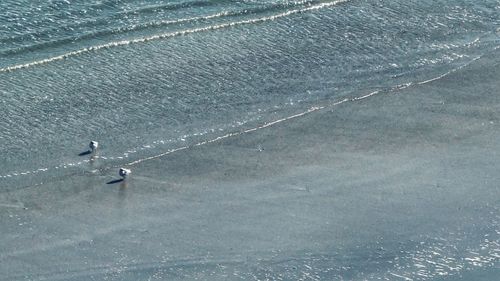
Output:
x=93 y=146
x=124 y=172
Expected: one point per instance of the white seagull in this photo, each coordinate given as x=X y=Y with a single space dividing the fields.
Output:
x=124 y=172
x=93 y=145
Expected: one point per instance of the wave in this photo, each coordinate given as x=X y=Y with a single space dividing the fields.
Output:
x=121 y=30
x=105 y=32
x=140 y=11
x=172 y=34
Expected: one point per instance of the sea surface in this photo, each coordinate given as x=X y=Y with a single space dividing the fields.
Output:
x=147 y=78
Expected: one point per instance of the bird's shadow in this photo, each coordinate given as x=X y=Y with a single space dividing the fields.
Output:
x=114 y=181
x=85 y=153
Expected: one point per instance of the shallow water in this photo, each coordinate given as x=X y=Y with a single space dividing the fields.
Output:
x=145 y=78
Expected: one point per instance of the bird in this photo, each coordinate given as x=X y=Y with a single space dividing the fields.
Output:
x=124 y=172
x=93 y=146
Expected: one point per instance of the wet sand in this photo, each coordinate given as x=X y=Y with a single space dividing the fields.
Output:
x=403 y=185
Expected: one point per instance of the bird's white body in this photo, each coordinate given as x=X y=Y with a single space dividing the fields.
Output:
x=93 y=145
x=124 y=172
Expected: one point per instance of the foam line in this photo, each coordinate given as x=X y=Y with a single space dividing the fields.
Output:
x=401 y=276
x=366 y=96
x=157 y=156
x=449 y=72
x=170 y=35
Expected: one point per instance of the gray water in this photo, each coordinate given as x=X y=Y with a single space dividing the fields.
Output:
x=147 y=77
